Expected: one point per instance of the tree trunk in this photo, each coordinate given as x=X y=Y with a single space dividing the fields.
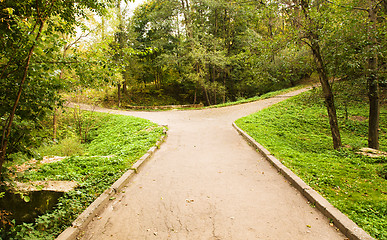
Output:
x=214 y=82
x=8 y=125
x=224 y=85
x=327 y=91
x=54 y=125
x=206 y=94
x=187 y=17
x=373 y=85
x=119 y=94
x=194 y=102
x=313 y=37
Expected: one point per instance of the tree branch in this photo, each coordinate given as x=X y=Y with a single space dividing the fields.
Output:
x=377 y=4
x=80 y=37
x=302 y=40
x=8 y=124
x=53 y=62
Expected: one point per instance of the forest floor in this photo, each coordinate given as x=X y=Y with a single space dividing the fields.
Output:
x=206 y=182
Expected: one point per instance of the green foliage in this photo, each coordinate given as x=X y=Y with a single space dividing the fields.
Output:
x=32 y=60
x=212 y=51
x=115 y=144
x=123 y=136
x=297 y=132
x=252 y=99
x=65 y=147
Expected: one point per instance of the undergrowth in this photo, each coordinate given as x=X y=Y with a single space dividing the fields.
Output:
x=297 y=132
x=252 y=99
x=256 y=98
x=113 y=144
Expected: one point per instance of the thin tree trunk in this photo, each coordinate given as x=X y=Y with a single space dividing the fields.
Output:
x=224 y=85
x=54 y=125
x=119 y=94
x=373 y=86
x=323 y=76
x=187 y=17
x=206 y=94
x=328 y=95
x=194 y=102
x=215 y=86
x=7 y=129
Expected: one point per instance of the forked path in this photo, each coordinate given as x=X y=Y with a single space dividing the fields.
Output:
x=206 y=182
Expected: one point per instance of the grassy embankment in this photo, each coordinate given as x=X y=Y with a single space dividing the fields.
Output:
x=297 y=132
x=114 y=144
x=256 y=98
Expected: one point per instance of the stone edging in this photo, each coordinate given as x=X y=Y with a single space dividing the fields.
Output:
x=99 y=204
x=341 y=221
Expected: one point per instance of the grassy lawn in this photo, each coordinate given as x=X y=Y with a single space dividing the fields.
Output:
x=297 y=132
x=114 y=144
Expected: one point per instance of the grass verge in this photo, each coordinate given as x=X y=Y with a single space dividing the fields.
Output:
x=297 y=132
x=113 y=146
x=252 y=99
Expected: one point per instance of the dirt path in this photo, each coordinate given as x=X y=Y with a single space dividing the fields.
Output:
x=206 y=182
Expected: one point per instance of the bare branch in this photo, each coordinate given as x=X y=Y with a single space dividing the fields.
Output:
x=307 y=43
x=80 y=37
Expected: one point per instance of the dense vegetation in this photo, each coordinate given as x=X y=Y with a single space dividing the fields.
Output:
x=296 y=134
x=113 y=144
x=179 y=52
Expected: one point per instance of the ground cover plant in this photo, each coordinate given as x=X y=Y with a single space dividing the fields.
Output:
x=113 y=144
x=260 y=97
x=297 y=132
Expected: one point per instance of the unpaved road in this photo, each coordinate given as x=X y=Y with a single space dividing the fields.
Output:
x=206 y=182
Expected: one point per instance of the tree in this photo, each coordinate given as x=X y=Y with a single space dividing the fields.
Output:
x=373 y=71
x=308 y=18
x=29 y=42
x=215 y=51
x=361 y=51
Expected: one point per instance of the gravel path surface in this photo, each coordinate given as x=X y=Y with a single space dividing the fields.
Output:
x=206 y=182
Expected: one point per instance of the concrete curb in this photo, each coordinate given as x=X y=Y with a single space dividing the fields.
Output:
x=99 y=204
x=341 y=221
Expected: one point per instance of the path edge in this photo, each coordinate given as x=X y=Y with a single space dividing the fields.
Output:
x=350 y=229
x=100 y=203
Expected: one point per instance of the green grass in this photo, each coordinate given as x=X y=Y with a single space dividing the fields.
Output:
x=114 y=145
x=256 y=98
x=297 y=132
x=252 y=99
